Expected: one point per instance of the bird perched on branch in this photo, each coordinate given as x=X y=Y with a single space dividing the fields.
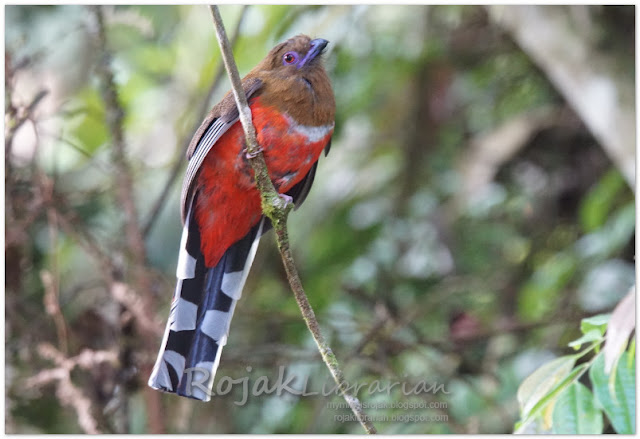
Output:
x=293 y=108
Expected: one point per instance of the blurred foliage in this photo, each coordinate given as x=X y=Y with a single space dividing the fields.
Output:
x=410 y=280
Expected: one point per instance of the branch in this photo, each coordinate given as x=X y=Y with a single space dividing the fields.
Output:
x=488 y=152
x=134 y=237
x=51 y=278
x=277 y=211
x=73 y=226
x=200 y=115
x=115 y=116
x=589 y=78
x=67 y=392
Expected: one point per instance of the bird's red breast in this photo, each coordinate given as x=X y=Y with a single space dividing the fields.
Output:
x=228 y=203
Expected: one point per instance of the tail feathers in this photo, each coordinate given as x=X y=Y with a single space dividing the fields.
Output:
x=201 y=313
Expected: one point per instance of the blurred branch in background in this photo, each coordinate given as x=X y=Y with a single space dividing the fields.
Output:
x=135 y=245
x=488 y=152
x=598 y=88
x=68 y=393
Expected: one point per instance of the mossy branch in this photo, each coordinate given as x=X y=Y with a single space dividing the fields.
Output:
x=277 y=211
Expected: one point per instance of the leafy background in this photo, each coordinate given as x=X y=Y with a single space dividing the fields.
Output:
x=463 y=224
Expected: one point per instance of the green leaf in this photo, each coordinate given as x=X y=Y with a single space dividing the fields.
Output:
x=153 y=59
x=619 y=405
x=85 y=122
x=592 y=335
x=632 y=352
x=598 y=203
x=575 y=412
x=606 y=241
x=537 y=385
x=538 y=411
x=598 y=323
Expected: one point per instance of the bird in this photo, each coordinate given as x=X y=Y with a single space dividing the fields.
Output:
x=293 y=110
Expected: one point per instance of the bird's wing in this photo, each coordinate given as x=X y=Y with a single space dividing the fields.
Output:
x=219 y=120
x=300 y=191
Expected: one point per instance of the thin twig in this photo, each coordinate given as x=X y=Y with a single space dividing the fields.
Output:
x=52 y=304
x=21 y=115
x=201 y=113
x=114 y=116
x=270 y=198
x=277 y=212
x=73 y=226
x=123 y=178
x=50 y=278
x=69 y=394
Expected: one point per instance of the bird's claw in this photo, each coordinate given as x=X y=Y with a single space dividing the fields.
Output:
x=286 y=199
x=252 y=155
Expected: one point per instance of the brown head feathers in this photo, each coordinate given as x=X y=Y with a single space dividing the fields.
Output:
x=295 y=81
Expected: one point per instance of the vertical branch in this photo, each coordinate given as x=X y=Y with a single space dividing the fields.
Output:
x=114 y=114
x=51 y=278
x=133 y=232
x=277 y=212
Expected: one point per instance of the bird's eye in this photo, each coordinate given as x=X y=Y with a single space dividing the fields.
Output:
x=289 y=58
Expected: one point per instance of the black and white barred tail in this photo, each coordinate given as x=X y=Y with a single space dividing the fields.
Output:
x=201 y=312
x=203 y=305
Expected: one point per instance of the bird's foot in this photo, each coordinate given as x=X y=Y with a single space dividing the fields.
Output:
x=252 y=155
x=286 y=200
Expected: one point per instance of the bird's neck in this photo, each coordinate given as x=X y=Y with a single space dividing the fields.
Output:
x=307 y=97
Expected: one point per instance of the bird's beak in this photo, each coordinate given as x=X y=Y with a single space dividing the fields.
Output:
x=317 y=46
